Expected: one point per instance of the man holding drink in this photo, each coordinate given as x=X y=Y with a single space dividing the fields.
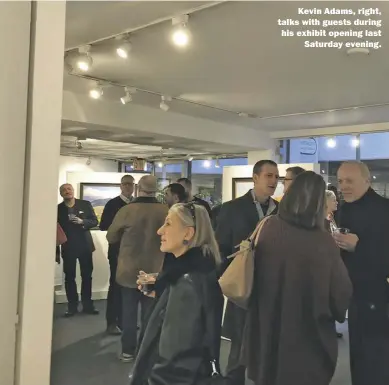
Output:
x=363 y=237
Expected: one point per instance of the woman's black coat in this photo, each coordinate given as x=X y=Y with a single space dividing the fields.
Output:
x=174 y=348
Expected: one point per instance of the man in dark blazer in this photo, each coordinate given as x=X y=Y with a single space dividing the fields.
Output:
x=365 y=251
x=187 y=184
x=76 y=217
x=236 y=221
x=114 y=299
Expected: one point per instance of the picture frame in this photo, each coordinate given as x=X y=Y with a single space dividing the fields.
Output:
x=240 y=187
x=98 y=194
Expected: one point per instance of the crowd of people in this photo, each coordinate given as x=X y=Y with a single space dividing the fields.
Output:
x=316 y=259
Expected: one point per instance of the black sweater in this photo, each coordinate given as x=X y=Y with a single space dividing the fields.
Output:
x=110 y=210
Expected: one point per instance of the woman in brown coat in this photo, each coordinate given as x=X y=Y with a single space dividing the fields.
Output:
x=301 y=288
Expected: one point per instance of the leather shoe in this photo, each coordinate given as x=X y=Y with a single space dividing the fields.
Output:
x=91 y=311
x=70 y=313
x=114 y=330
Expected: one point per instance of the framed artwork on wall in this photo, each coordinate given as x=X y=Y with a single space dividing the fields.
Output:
x=240 y=186
x=98 y=194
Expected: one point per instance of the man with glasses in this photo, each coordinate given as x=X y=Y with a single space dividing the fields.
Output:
x=291 y=174
x=114 y=299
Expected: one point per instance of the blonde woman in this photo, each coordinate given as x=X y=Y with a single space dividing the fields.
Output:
x=182 y=337
x=331 y=207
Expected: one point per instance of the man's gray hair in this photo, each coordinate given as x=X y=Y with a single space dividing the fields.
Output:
x=365 y=172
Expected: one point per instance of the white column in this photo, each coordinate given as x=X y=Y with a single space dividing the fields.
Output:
x=14 y=63
x=40 y=193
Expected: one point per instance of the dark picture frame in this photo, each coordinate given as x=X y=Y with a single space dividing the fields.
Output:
x=98 y=194
x=236 y=182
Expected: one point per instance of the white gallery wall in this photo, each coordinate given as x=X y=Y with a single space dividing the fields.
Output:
x=100 y=281
x=15 y=19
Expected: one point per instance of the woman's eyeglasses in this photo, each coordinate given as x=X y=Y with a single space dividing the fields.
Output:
x=192 y=209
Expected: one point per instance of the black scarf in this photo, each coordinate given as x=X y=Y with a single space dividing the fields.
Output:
x=192 y=261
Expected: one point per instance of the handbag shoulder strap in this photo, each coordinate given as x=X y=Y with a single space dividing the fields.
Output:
x=258 y=230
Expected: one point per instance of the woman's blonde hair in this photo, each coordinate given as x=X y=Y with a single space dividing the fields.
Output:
x=192 y=215
x=330 y=194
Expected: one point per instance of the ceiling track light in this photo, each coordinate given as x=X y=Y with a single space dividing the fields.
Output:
x=124 y=46
x=96 y=92
x=181 y=34
x=128 y=95
x=163 y=105
x=84 y=59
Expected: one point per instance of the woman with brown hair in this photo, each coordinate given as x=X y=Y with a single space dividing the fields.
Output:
x=301 y=288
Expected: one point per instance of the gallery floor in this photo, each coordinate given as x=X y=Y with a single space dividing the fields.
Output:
x=84 y=355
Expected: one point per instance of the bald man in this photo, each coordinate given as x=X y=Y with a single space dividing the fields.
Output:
x=365 y=250
x=77 y=217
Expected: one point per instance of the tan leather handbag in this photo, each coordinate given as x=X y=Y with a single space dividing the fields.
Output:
x=237 y=281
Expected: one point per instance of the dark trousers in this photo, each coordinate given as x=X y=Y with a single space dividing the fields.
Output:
x=114 y=299
x=369 y=343
x=235 y=319
x=69 y=268
x=131 y=299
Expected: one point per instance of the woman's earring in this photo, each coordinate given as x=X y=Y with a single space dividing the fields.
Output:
x=185 y=242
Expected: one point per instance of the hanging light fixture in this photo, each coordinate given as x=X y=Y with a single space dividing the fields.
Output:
x=217 y=163
x=181 y=34
x=96 y=92
x=163 y=105
x=128 y=95
x=123 y=47
x=84 y=60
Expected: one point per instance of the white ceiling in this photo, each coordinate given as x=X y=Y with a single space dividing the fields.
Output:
x=124 y=145
x=237 y=61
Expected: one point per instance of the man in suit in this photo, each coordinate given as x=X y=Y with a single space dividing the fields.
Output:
x=365 y=251
x=187 y=184
x=236 y=221
x=76 y=217
x=114 y=299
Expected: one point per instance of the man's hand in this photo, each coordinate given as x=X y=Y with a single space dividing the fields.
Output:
x=346 y=242
x=77 y=221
